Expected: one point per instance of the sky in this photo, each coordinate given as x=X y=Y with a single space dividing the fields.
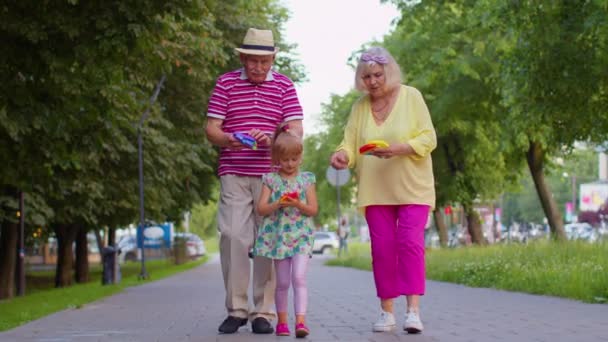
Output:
x=327 y=33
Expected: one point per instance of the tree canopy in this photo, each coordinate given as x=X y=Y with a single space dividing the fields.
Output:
x=77 y=77
x=507 y=83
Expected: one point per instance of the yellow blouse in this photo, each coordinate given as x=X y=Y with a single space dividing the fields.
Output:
x=398 y=180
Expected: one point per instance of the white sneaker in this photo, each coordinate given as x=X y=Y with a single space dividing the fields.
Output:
x=413 y=325
x=386 y=322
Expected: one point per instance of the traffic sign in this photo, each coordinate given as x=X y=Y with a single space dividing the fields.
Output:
x=337 y=177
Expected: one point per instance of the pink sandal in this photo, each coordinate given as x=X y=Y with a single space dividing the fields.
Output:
x=282 y=329
x=301 y=330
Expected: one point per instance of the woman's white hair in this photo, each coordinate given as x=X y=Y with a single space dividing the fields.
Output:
x=392 y=72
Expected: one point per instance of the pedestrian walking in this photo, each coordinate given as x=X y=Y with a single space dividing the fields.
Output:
x=288 y=202
x=343 y=232
x=394 y=180
x=245 y=108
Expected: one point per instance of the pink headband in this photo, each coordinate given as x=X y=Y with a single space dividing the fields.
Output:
x=367 y=58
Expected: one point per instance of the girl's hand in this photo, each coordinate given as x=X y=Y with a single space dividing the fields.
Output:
x=279 y=204
x=339 y=160
x=290 y=202
x=260 y=136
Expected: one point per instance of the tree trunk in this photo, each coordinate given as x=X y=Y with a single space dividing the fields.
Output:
x=535 y=158
x=82 y=256
x=8 y=258
x=112 y=237
x=99 y=242
x=474 y=225
x=495 y=229
x=442 y=229
x=65 y=255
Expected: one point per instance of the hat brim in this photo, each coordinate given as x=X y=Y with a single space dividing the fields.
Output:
x=256 y=52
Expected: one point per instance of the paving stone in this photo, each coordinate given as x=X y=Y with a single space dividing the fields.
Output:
x=342 y=306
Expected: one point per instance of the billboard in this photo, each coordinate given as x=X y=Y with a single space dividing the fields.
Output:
x=155 y=235
x=593 y=196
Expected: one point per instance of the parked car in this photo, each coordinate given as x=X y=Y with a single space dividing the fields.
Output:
x=195 y=246
x=581 y=231
x=431 y=239
x=602 y=231
x=325 y=242
x=128 y=249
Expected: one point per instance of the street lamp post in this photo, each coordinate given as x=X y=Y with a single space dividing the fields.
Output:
x=572 y=178
x=337 y=178
x=574 y=195
x=21 y=252
x=143 y=273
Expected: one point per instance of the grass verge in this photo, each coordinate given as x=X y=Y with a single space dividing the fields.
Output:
x=43 y=299
x=575 y=270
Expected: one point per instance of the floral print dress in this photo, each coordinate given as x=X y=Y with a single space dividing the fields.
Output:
x=285 y=232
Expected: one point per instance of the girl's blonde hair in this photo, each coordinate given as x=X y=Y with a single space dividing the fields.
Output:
x=285 y=143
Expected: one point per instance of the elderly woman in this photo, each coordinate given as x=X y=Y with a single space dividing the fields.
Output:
x=395 y=180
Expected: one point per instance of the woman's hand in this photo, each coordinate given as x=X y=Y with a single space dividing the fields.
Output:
x=339 y=160
x=393 y=151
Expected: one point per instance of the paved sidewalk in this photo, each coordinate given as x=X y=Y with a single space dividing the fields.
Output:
x=189 y=307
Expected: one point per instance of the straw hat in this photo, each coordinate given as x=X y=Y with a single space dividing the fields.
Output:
x=258 y=42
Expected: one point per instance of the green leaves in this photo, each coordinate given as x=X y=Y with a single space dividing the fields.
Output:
x=319 y=147
x=552 y=72
x=444 y=53
x=79 y=75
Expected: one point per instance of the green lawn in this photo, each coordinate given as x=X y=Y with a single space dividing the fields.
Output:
x=43 y=299
x=212 y=245
x=574 y=270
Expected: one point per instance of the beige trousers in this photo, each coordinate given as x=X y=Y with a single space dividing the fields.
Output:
x=238 y=223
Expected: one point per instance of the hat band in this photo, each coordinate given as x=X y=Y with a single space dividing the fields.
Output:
x=257 y=47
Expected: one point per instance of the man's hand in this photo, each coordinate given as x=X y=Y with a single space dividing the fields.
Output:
x=217 y=136
x=339 y=160
x=233 y=143
x=260 y=136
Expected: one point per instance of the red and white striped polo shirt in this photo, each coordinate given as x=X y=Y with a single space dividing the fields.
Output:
x=243 y=105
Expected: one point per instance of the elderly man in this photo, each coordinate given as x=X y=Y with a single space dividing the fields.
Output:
x=254 y=100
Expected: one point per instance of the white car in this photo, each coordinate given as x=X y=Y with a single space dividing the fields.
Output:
x=581 y=231
x=194 y=244
x=325 y=242
x=128 y=249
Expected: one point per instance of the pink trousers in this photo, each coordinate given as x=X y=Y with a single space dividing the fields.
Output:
x=397 y=237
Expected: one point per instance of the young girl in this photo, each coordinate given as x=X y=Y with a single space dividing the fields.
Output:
x=288 y=202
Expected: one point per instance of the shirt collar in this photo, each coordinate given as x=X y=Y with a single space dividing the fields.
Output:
x=269 y=76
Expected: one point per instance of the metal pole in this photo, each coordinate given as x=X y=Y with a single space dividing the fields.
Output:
x=574 y=195
x=338 y=203
x=143 y=273
x=21 y=255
